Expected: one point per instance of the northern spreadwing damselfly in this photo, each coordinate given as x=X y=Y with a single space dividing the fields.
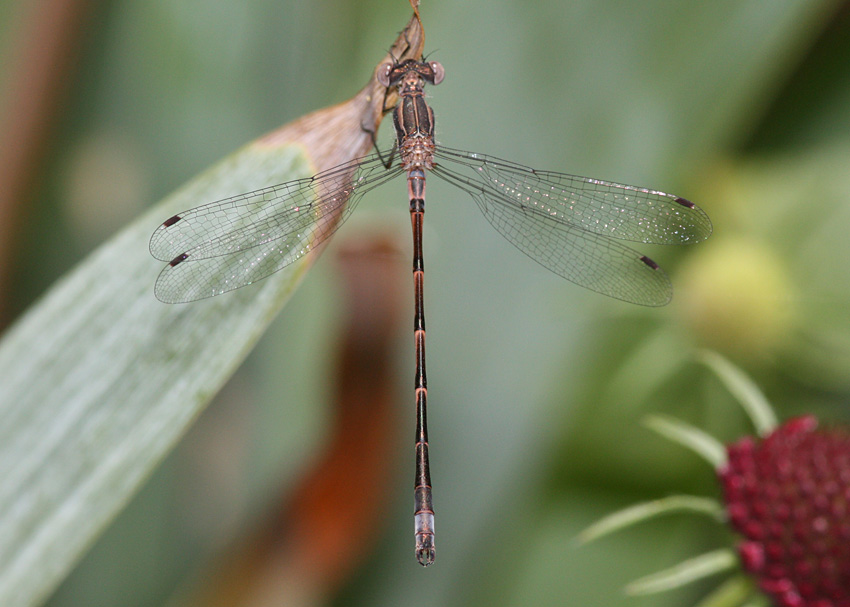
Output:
x=571 y=225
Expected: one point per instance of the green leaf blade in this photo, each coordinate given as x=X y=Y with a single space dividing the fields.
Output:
x=647 y=510
x=744 y=390
x=701 y=443
x=100 y=380
x=691 y=570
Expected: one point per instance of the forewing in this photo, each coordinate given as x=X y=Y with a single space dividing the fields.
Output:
x=618 y=211
x=588 y=259
x=234 y=242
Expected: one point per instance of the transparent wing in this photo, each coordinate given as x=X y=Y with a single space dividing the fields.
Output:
x=611 y=209
x=589 y=259
x=230 y=243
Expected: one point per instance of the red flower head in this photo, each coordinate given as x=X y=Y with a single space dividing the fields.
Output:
x=786 y=492
x=789 y=496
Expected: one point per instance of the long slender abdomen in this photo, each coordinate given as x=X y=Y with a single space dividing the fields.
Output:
x=423 y=505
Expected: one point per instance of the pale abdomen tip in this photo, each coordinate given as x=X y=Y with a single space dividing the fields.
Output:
x=425 y=552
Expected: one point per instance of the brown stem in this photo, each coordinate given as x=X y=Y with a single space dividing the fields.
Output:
x=43 y=58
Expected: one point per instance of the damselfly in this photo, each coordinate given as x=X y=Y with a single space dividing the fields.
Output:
x=571 y=225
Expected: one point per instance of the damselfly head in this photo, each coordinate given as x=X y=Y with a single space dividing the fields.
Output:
x=392 y=74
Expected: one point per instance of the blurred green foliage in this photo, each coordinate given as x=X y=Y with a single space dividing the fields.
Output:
x=537 y=388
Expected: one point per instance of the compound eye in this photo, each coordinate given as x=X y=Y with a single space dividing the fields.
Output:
x=439 y=72
x=383 y=74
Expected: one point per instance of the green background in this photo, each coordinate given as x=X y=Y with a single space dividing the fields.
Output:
x=537 y=388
